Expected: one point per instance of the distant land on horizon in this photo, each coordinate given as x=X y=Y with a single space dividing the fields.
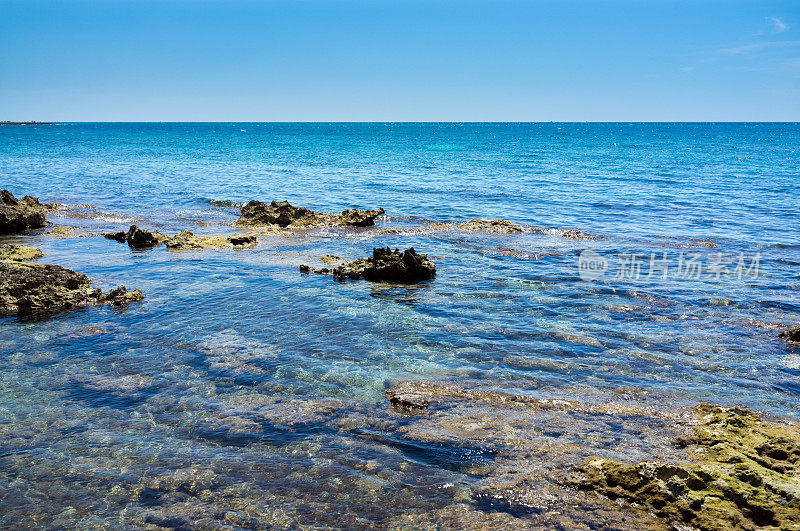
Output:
x=27 y=123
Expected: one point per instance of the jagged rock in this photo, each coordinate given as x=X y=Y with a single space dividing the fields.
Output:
x=187 y=240
x=360 y=218
x=275 y=213
x=19 y=253
x=33 y=288
x=18 y=215
x=137 y=238
x=494 y=226
x=121 y=296
x=386 y=265
x=792 y=335
x=746 y=475
x=283 y=214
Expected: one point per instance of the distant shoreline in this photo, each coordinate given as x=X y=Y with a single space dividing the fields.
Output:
x=27 y=123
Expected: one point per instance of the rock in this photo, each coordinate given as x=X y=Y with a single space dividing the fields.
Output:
x=330 y=259
x=242 y=239
x=360 y=218
x=16 y=216
x=19 y=253
x=746 y=475
x=284 y=214
x=33 y=288
x=137 y=238
x=386 y=265
x=121 y=296
x=187 y=240
x=305 y=269
x=792 y=335
x=70 y=232
x=275 y=213
x=406 y=399
x=575 y=234
x=494 y=226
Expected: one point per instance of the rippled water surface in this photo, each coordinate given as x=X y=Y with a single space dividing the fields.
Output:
x=242 y=393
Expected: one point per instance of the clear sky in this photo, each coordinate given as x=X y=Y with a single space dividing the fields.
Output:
x=433 y=60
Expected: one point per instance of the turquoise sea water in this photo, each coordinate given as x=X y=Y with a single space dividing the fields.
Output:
x=97 y=399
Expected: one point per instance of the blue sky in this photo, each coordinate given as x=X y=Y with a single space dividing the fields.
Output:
x=434 y=60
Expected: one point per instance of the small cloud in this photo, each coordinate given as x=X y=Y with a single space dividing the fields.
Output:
x=688 y=69
x=778 y=25
x=758 y=47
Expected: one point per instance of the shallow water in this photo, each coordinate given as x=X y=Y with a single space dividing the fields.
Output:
x=265 y=386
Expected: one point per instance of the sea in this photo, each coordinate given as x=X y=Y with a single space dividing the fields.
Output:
x=655 y=267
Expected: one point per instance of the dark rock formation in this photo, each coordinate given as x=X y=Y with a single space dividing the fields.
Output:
x=283 y=214
x=33 y=289
x=317 y=271
x=18 y=215
x=275 y=213
x=360 y=218
x=386 y=265
x=19 y=253
x=746 y=475
x=792 y=335
x=242 y=239
x=137 y=238
x=121 y=296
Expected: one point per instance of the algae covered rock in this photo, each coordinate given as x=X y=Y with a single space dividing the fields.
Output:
x=186 y=240
x=18 y=215
x=27 y=289
x=137 y=238
x=386 y=265
x=745 y=474
x=792 y=335
x=493 y=226
x=284 y=214
x=19 y=253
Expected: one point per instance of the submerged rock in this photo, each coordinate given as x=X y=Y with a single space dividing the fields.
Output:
x=745 y=475
x=494 y=226
x=406 y=398
x=575 y=234
x=18 y=215
x=186 y=240
x=137 y=238
x=68 y=232
x=33 y=288
x=792 y=335
x=284 y=214
x=19 y=253
x=386 y=265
